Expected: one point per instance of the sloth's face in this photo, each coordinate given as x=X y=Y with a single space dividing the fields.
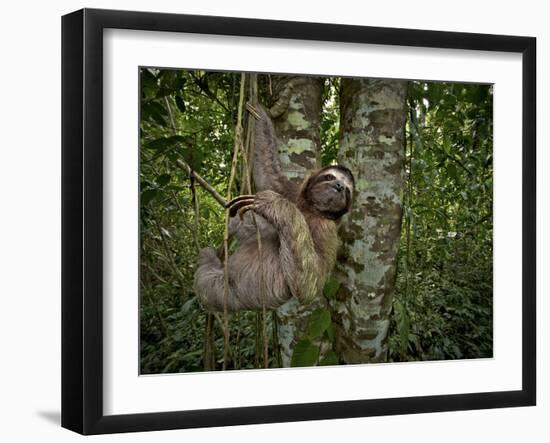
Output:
x=331 y=191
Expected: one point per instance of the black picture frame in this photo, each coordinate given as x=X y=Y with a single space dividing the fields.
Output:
x=82 y=218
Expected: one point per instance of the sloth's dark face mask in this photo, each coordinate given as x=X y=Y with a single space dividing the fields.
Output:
x=331 y=191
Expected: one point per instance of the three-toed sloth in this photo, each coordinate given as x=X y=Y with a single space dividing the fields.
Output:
x=298 y=225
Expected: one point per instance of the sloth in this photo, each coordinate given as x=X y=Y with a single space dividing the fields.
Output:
x=298 y=226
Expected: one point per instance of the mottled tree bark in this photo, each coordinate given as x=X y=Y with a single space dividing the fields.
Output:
x=297 y=114
x=373 y=114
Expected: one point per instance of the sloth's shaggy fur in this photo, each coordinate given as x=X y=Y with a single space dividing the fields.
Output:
x=298 y=228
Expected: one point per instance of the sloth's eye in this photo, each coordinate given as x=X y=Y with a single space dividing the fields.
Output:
x=328 y=177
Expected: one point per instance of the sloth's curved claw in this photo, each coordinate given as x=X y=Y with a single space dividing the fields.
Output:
x=244 y=209
x=236 y=204
x=253 y=111
x=237 y=199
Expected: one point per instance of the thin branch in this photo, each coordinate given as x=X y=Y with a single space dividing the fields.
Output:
x=209 y=93
x=170 y=115
x=169 y=255
x=237 y=144
x=276 y=346
x=262 y=293
x=201 y=181
x=195 y=231
x=208 y=356
x=196 y=206
x=448 y=156
x=254 y=98
x=183 y=222
x=155 y=274
x=147 y=294
x=237 y=356
x=185 y=167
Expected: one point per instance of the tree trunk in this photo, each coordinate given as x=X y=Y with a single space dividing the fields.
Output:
x=297 y=114
x=372 y=122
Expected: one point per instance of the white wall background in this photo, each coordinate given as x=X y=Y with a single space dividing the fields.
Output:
x=30 y=219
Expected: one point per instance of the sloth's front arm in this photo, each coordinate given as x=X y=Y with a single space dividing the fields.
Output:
x=305 y=269
x=267 y=164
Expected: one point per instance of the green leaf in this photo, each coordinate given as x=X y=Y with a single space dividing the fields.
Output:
x=451 y=169
x=155 y=108
x=402 y=325
x=205 y=212
x=159 y=119
x=331 y=287
x=169 y=80
x=330 y=359
x=181 y=82
x=305 y=354
x=148 y=83
x=163 y=179
x=180 y=103
x=144 y=184
x=318 y=323
x=147 y=196
x=187 y=305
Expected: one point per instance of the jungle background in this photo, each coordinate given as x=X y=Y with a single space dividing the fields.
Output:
x=414 y=275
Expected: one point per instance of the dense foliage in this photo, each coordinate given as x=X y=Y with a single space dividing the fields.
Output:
x=443 y=303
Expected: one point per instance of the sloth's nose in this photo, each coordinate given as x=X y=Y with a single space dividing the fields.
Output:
x=339 y=187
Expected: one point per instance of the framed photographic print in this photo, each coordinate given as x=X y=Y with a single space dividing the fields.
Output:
x=270 y=221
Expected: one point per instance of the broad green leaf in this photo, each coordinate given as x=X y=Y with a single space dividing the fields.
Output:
x=305 y=354
x=158 y=118
x=147 y=196
x=318 y=323
x=187 y=305
x=451 y=169
x=331 y=287
x=163 y=179
x=205 y=212
x=329 y=359
x=155 y=108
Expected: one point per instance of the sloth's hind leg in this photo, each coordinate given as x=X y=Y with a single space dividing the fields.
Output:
x=209 y=279
x=209 y=282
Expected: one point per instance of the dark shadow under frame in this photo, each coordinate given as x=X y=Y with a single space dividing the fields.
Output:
x=82 y=221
